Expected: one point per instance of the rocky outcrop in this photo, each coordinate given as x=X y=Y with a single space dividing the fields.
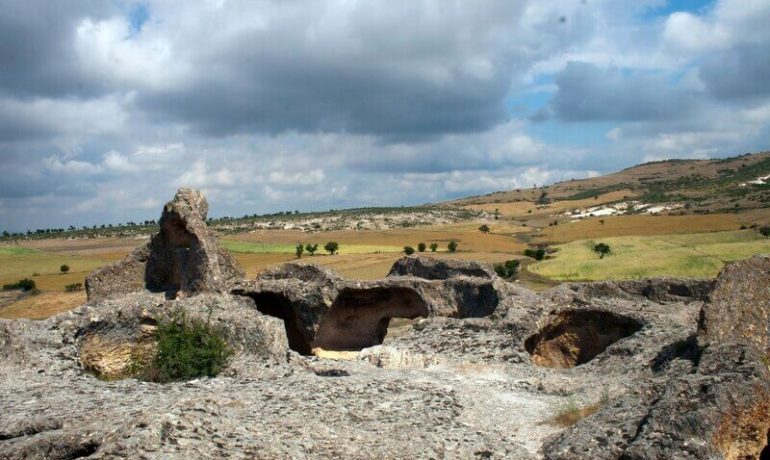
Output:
x=738 y=310
x=323 y=310
x=430 y=268
x=183 y=258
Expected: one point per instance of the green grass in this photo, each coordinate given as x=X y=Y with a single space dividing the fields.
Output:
x=698 y=255
x=15 y=251
x=281 y=248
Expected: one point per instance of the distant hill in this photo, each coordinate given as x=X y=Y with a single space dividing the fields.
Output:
x=719 y=185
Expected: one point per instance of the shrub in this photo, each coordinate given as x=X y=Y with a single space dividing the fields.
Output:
x=64 y=268
x=537 y=253
x=408 y=250
x=602 y=249
x=421 y=247
x=311 y=248
x=331 y=247
x=23 y=284
x=765 y=231
x=508 y=269
x=433 y=247
x=484 y=228
x=187 y=349
x=299 y=250
x=73 y=287
x=452 y=246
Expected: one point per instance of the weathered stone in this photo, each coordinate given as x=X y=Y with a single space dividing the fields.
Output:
x=738 y=310
x=431 y=268
x=184 y=258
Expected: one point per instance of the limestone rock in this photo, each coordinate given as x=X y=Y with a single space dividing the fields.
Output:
x=183 y=258
x=440 y=269
x=738 y=310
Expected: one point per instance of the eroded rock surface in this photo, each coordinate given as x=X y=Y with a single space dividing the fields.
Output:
x=183 y=258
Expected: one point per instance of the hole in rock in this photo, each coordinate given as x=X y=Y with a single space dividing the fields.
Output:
x=576 y=337
x=359 y=318
x=279 y=306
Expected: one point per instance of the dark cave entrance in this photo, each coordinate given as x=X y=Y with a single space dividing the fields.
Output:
x=359 y=318
x=279 y=306
x=765 y=454
x=576 y=337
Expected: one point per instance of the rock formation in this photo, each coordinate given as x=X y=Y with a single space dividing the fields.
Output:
x=441 y=359
x=182 y=258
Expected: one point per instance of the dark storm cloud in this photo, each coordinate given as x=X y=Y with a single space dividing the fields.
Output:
x=36 y=51
x=741 y=72
x=588 y=93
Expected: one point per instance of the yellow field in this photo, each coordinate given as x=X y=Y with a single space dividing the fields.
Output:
x=522 y=208
x=698 y=255
x=642 y=246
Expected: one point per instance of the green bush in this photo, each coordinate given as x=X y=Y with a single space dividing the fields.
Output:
x=64 y=268
x=452 y=246
x=311 y=248
x=187 y=349
x=602 y=249
x=299 y=250
x=73 y=287
x=508 y=269
x=23 y=284
x=433 y=247
x=331 y=247
x=765 y=231
x=484 y=228
x=408 y=250
x=421 y=247
x=537 y=253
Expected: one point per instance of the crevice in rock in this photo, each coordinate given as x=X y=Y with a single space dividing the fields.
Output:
x=359 y=318
x=279 y=306
x=575 y=337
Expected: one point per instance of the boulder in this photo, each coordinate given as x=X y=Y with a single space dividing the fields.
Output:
x=430 y=268
x=738 y=310
x=183 y=258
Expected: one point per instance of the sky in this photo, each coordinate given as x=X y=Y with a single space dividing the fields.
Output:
x=106 y=108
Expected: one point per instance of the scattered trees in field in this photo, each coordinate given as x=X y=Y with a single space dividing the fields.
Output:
x=332 y=247
x=452 y=246
x=433 y=247
x=508 y=269
x=299 y=250
x=484 y=228
x=23 y=284
x=311 y=248
x=421 y=247
x=64 y=268
x=74 y=287
x=602 y=249
x=408 y=250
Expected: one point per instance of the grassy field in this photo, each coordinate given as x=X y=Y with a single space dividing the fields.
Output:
x=697 y=255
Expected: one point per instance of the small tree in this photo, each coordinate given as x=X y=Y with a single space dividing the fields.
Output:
x=299 y=250
x=602 y=249
x=433 y=247
x=331 y=247
x=408 y=250
x=64 y=268
x=452 y=246
x=311 y=248
x=497 y=213
x=765 y=231
x=508 y=269
x=484 y=228
x=421 y=247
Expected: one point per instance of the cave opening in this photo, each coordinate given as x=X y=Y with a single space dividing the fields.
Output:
x=765 y=454
x=279 y=306
x=359 y=318
x=576 y=337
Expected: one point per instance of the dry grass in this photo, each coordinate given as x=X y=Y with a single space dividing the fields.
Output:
x=522 y=208
x=43 y=305
x=571 y=413
x=641 y=225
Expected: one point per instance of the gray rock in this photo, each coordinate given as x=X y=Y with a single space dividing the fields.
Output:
x=440 y=269
x=184 y=258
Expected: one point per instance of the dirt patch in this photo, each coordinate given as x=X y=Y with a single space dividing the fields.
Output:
x=359 y=318
x=576 y=337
